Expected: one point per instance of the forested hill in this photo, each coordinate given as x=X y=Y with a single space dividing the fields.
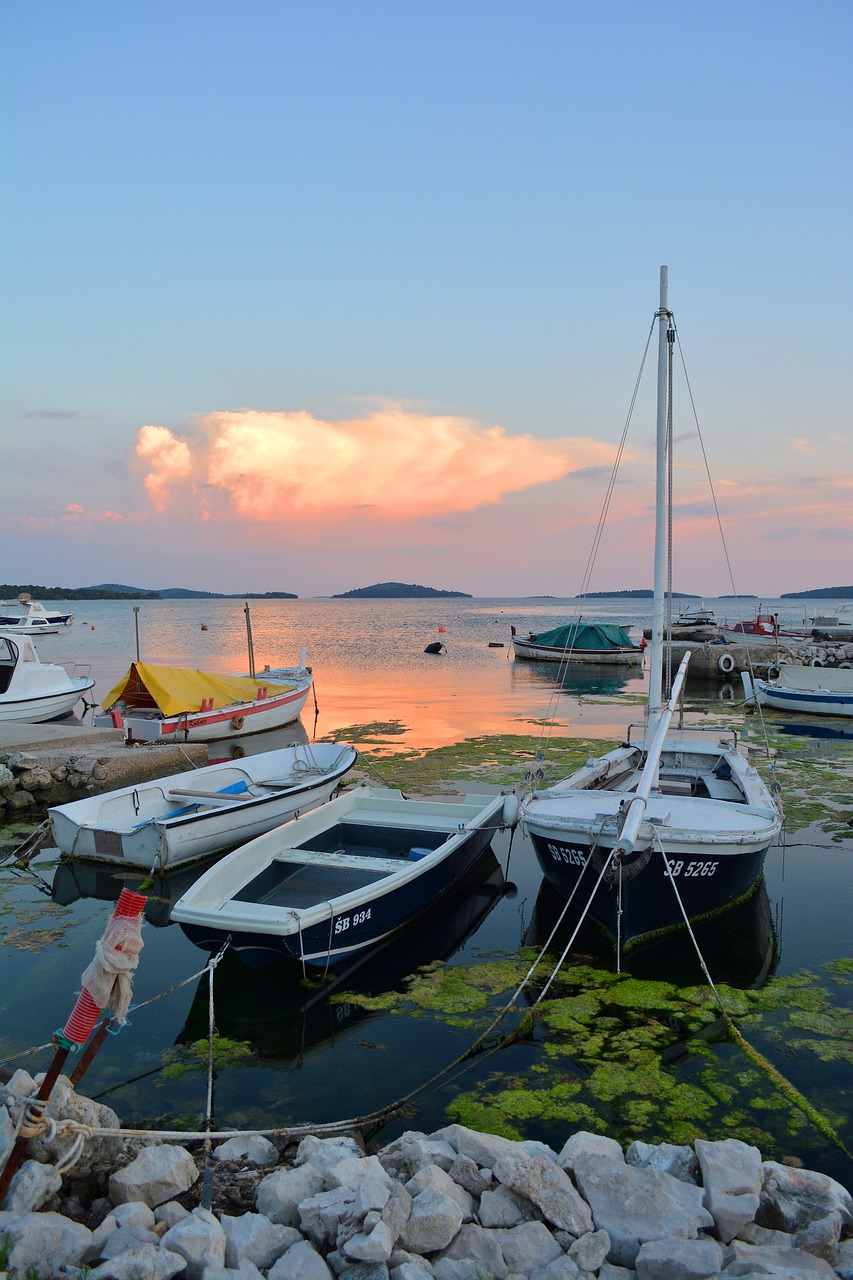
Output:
x=397 y=591
x=820 y=593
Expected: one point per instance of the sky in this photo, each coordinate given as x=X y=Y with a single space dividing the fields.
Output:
x=308 y=297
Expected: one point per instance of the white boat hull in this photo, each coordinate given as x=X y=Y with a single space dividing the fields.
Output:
x=829 y=691
x=632 y=656
x=45 y=706
x=171 y=821
x=340 y=879
x=211 y=726
x=32 y=691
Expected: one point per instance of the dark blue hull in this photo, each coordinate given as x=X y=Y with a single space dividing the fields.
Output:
x=378 y=915
x=644 y=903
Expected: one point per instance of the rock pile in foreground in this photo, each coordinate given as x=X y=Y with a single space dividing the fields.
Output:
x=454 y=1205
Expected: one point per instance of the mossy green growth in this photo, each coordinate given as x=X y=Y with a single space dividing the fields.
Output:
x=636 y=1058
x=183 y=1058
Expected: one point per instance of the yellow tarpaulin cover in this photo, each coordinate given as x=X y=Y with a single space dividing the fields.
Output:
x=179 y=689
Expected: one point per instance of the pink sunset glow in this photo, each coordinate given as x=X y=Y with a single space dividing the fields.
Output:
x=394 y=465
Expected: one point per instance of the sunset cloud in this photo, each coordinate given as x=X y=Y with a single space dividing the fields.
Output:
x=393 y=465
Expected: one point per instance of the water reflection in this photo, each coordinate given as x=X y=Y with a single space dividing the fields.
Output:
x=579 y=681
x=283 y=1018
x=75 y=880
x=739 y=946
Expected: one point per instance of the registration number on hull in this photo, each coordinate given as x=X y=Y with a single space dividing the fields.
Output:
x=343 y=922
x=576 y=857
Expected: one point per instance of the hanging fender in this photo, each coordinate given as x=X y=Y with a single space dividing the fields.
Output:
x=511 y=811
x=237 y=723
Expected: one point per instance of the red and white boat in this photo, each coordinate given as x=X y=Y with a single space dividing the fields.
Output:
x=178 y=704
x=764 y=628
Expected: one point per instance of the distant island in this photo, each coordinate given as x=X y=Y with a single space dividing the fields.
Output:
x=116 y=591
x=637 y=595
x=820 y=593
x=396 y=591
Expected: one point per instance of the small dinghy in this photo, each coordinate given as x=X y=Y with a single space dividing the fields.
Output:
x=171 y=821
x=340 y=879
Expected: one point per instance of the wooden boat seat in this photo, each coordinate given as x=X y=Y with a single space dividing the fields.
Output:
x=352 y=861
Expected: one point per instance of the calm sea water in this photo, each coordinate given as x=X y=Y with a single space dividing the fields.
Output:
x=309 y=1058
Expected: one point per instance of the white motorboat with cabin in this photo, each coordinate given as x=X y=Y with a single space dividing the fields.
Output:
x=32 y=691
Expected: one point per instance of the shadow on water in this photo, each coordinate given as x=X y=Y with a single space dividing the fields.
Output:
x=283 y=1017
x=581 y=681
x=739 y=946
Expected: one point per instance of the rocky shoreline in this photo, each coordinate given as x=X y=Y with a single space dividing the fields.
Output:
x=456 y=1204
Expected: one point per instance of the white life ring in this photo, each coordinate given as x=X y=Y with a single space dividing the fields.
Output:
x=815 y=662
x=237 y=723
x=725 y=663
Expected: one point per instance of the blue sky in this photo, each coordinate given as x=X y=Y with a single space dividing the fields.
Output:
x=449 y=215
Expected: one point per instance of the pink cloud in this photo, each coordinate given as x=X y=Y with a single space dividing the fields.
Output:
x=393 y=465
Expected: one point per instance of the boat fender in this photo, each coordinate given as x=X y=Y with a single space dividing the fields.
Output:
x=237 y=723
x=511 y=811
x=725 y=663
x=815 y=662
x=117 y=720
x=772 y=673
x=845 y=666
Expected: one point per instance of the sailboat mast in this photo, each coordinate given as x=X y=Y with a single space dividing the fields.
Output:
x=656 y=668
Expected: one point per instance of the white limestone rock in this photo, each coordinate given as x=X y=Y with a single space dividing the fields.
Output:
x=134 y=1213
x=66 y=1104
x=397 y=1211
x=549 y=1187
x=432 y=1175
x=467 y=1174
x=844 y=1260
x=157 y=1174
x=562 y=1268
x=484 y=1148
x=528 y=1247
x=411 y=1271
x=325 y=1153
x=434 y=1221
x=732 y=1177
x=503 y=1208
x=376 y=1245
x=636 y=1205
x=148 y=1262
x=583 y=1143
x=252 y=1236
x=31 y=1186
x=33 y=1237
x=279 y=1194
x=412 y=1151
x=822 y=1237
x=589 y=1251
x=170 y=1213
x=199 y=1239
x=249 y=1148
x=365 y=1178
x=478 y=1246
x=791 y=1199
x=680 y=1162
x=460 y=1269
x=245 y=1270
x=678 y=1259
x=301 y=1262
x=7 y=1133
x=328 y=1218
x=125 y=1238
x=782 y=1264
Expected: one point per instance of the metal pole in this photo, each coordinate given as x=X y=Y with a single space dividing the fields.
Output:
x=656 y=665
x=136 y=622
x=249 y=641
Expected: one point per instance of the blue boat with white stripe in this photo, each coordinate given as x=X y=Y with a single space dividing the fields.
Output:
x=342 y=878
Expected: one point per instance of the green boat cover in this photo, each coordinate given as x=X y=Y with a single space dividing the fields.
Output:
x=582 y=635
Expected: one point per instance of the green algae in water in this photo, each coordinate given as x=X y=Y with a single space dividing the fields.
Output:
x=184 y=1058
x=638 y=1058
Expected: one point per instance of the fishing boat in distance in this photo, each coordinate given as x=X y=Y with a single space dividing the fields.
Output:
x=598 y=643
x=32 y=691
x=170 y=821
x=670 y=826
x=341 y=879
x=155 y=703
x=825 y=691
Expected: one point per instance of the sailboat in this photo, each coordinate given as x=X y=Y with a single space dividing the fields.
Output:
x=669 y=827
